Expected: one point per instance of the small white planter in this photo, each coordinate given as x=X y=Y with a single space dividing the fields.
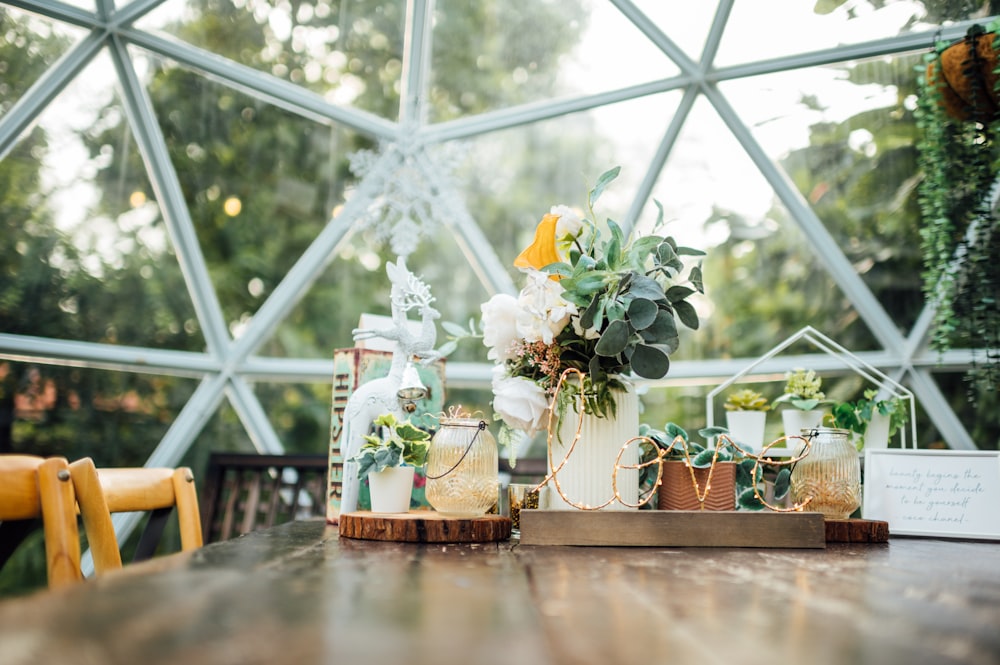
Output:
x=796 y=420
x=747 y=428
x=877 y=432
x=391 y=489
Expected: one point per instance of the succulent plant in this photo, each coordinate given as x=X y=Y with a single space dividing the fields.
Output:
x=746 y=399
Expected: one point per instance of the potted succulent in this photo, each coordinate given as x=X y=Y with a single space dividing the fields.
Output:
x=871 y=421
x=958 y=115
x=803 y=397
x=388 y=459
x=733 y=480
x=746 y=416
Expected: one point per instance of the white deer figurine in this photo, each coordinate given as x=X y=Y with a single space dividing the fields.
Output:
x=379 y=396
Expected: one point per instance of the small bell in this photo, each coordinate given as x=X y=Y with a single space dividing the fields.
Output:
x=411 y=388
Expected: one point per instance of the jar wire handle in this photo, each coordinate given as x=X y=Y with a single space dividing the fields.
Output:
x=479 y=428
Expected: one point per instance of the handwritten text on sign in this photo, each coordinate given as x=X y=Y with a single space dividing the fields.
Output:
x=945 y=493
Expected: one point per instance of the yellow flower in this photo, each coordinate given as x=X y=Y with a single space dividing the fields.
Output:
x=542 y=251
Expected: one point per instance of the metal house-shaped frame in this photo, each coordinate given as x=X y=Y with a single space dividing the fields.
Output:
x=887 y=387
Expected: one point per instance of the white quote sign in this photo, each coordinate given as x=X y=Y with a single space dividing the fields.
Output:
x=934 y=492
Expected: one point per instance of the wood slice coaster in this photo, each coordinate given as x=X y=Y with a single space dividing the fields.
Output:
x=857 y=531
x=424 y=526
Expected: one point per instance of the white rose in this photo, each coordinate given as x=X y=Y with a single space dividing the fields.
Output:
x=569 y=223
x=500 y=325
x=521 y=402
x=542 y=311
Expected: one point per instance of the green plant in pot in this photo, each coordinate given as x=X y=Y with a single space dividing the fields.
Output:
x=388 y=458
x=746 y=417
x=804 y=396
x=958 y=116
x=687 y=462
x=871 y=421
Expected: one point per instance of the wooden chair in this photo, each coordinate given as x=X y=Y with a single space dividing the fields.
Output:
x=35 y=487
x=247 y=491
x=527 y=470
x=102 y=492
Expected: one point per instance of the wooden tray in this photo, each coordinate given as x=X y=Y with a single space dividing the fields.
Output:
x=423 y=526
x=673 y=528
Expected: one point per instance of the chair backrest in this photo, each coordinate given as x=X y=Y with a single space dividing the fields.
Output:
x=33 y=487
x=102 y=492
x=246 y=491
x=527 y=470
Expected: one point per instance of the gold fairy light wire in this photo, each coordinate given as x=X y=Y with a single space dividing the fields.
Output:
x=661 y=453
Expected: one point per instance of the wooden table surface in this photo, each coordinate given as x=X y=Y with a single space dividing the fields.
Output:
x=299 y=594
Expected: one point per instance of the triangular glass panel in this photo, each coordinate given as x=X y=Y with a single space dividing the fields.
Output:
x=685 y=25
x=498 y=54
x=260 y=183
x=86 y=244
x=762 y=278
x=29 y=45
x=752 y=35
x=224 y=432
x=348 y=52
x=74 y=412
x=977 y=409
x=847 y=141
x=514 y=177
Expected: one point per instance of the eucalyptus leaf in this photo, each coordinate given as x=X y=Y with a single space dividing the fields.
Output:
x=642 y=313
x=641 y=286
x=453 y=329
x=615 y=311
x=587 y=284
x=663 y=329
x=593 y=314
x=676 y=294
x=650 y=362
x=696 y=279
x=614 y=340
x=606 y=178
x=687 y=314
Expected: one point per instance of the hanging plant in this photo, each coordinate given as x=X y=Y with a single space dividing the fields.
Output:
x=959 y=117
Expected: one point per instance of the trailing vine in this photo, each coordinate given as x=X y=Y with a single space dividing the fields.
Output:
x=960 y=158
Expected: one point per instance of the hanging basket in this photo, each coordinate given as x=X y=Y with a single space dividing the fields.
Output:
x=968 y=80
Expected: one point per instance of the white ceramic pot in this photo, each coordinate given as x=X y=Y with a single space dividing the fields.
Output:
x=391 y=489
x=877 y=432
x=586 y=478
x=747 y=428
x=796 y=420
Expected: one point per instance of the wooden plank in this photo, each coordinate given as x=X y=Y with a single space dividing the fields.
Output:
x=424 y=526
x=672 y=528
x=857 y=531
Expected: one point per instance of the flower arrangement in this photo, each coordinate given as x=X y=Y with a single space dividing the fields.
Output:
x=802 y=390
x=594 y=301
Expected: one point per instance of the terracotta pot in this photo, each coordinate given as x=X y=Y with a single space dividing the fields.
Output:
x=968 y=97
x=677 y=492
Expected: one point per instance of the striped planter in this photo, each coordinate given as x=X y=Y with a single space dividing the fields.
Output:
x=677 y=492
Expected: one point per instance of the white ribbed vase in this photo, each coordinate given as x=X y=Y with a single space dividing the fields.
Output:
x=586 y=478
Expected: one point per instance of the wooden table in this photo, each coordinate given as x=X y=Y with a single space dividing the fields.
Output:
x=299 y=594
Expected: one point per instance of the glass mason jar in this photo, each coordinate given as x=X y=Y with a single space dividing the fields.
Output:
x=462 y=468
x=830 y=474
